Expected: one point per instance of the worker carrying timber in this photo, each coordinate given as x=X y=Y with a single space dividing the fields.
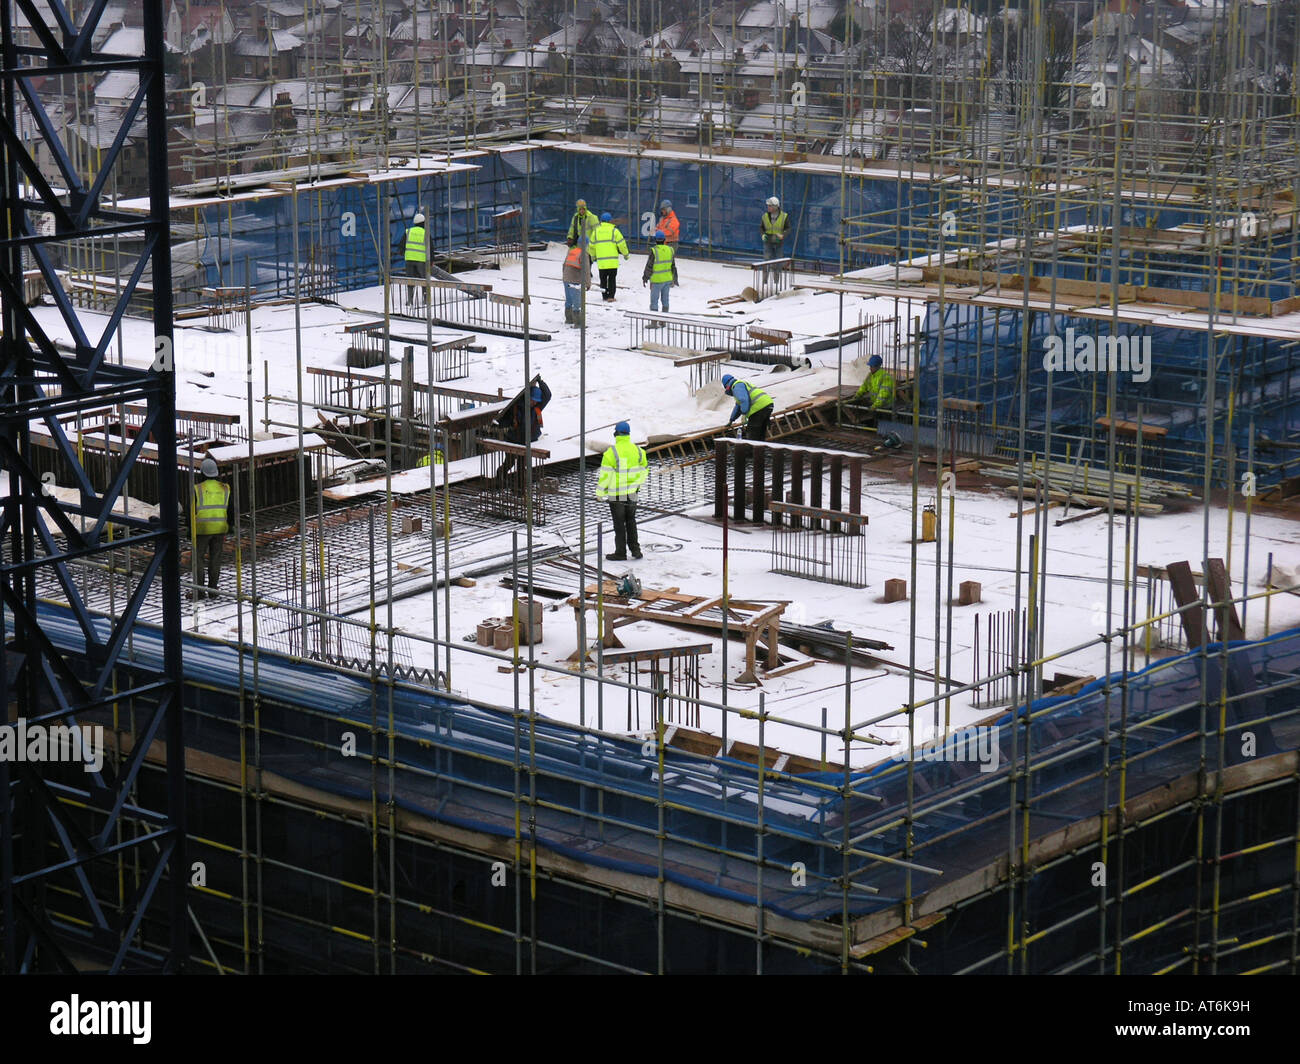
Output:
x=210 y=520
x=415 y=250
x=877 y=391
x=754 y=403
x=668 y=223
x=523 y=423
x=660 y=271
x=574 y=275
x=774 y=224
x=622 y=472
x=607 y=244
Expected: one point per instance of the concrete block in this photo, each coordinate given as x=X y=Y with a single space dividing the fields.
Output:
x=895 y=590
x=411 y=524
x=969 y=593
x=530 y=628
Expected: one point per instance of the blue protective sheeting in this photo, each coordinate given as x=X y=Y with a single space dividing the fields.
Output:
x=456 y=763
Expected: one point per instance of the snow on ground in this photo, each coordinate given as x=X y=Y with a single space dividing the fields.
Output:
x=686 y=551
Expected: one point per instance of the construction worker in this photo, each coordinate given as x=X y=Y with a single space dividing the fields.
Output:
x=438 y=458
x=775 y=223
x=581 y=225
x=209 y=522
x=523 y=422
x=660 y=272
x=878 y=389
x=607 y=244
x=754 y=403
x=672 y=228
x=415 y=249
x=574 y=276
x=622 y=472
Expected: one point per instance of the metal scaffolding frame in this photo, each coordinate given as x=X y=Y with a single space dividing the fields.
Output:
x=976 y=177
x=66 y=829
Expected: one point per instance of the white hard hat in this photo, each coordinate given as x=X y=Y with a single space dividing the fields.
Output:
x=772 y=201
x=418 y=219
x=209 y=467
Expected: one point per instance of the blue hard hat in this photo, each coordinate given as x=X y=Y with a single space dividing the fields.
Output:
x=727 y=381
x=875 y=362
x=667 y=205
x=622 y=429
x=659 y=235
x=607 y=217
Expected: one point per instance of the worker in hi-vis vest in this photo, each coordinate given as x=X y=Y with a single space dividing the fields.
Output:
x=622 y=472
x=415 y=249
x=574 y=276
x=209 y=522
x=581 y=226
x=754 y=403
x=878 y=388
x=775 y=223
x=660 y=272
x=669 y=224
x=607 y=244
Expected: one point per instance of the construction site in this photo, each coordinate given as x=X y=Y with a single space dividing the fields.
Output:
x=997 y=675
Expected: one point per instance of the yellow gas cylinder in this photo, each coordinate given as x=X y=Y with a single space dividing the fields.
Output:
x=928 y=521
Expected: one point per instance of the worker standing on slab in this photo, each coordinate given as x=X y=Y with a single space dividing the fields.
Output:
x=774 y=224
x=622 y=472
x=581 y=226
x=607 y=244
x=660 y=272
x=668 y=223
x=574 y=276
x=878 y=389
x=415 y=250
x=210 y=520
x=438 y=458
x=754 y=403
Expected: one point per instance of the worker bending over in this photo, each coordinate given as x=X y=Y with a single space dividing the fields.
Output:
x=877 y=391
x=754 y=403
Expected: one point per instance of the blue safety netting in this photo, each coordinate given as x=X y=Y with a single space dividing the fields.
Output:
x=473 y=765
x=1162 y=375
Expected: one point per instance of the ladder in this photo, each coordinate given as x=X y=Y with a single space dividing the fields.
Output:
x=699 y=447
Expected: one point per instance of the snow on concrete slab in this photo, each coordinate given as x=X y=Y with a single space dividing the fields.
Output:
x=1085 y=559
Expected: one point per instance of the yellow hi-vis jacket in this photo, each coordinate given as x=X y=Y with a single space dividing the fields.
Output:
x=775 y=225
x=424 y=459
x=607 y=244
x=415 y=246
x=622 y=470
x=878 y=387
x=211 y=497
x=661 y=265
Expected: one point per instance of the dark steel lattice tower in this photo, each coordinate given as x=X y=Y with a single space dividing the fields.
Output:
x=92 y=871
